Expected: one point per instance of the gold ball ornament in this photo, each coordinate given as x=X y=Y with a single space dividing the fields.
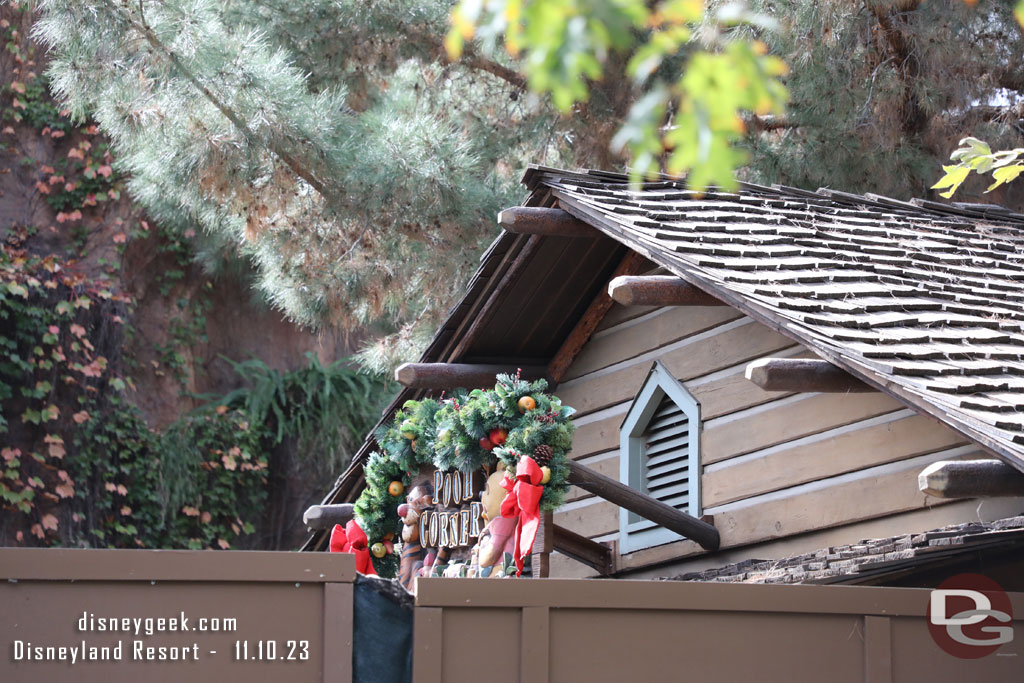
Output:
x=546 y=472
x=526 y=403
x=396 y=488
x=378 y=550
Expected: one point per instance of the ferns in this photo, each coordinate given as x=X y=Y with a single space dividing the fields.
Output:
x=326 y=408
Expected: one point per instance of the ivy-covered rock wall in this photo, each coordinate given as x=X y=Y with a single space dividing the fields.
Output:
x=145 y=401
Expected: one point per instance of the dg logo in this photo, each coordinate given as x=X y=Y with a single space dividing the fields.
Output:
x=970 y=616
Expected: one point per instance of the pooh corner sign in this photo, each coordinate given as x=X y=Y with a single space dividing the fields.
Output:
x=443 y=527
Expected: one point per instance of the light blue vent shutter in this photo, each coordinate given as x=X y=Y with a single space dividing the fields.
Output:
x=659 y=454
x=666 y=456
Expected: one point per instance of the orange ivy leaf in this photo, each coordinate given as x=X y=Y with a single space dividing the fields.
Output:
x=190 y=511
x=110 y=486
x=57 y=134
x=75 y=153
x=10 y=454
x=105 y=170
x=17 y=104
x=120 y=238
x=229 y=462
x=57 y=451
x=37 y=531
x=80 y=417
x=43 y=187
x=223 y=544
x=65 y=490
x=18 y=87
x=47 y=169
x=50 y=522
x=205 y=517
x=122 y=489
x=125 y=511
x=77 y=330
x=20 y=536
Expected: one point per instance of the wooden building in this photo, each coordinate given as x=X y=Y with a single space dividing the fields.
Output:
x=782 y=364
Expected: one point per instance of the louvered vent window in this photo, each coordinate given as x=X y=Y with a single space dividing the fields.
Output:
x=666 y=456
x=659 y=447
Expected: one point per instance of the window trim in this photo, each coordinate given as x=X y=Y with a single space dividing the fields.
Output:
x=637 y=535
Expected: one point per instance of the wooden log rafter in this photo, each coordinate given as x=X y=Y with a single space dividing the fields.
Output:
x=464 y=375
x=631 y=263
x=647 y=507
x=658 y=290
x=535 y=220
x=582 y=549
x=803 y=375
x=326 y=516
x=971 y=479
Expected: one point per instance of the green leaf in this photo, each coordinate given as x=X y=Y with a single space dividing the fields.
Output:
x=954 y=178
x=1005 y=174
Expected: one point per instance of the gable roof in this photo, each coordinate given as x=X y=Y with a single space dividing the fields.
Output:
x=919 y=299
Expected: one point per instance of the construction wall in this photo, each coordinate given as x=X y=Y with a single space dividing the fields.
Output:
x=554 y=631
x=291 y=612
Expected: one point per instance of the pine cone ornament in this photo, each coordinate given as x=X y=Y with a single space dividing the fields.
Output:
x=542 y=454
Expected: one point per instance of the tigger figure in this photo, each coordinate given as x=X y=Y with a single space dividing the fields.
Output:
x=414 y=555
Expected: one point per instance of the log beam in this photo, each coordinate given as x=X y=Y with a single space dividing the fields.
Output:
x=534 y=220
x=459 y=375
x=803 y=374
x=580 y=548
x=326 y=516
x=658 y=290
x=971 y=479
x=660 y=513
x=631 y=263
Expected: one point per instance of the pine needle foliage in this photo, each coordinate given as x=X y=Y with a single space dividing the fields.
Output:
x=882 y=91
x=327 y=142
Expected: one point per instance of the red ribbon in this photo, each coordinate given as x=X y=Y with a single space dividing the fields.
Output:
x=352 y=539
x=523 y=499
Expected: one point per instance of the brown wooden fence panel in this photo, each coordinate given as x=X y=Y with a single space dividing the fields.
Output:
x=292 y=615
x=564 y=631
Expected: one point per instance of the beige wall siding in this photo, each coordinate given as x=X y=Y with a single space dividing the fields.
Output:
x=774 y=464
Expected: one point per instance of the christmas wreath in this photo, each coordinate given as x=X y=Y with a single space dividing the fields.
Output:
x=463 y=432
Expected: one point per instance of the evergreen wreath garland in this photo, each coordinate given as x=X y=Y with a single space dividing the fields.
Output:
x=460 y=433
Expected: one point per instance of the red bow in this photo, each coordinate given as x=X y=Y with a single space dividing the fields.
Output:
x=352 y=539
x=523 y=499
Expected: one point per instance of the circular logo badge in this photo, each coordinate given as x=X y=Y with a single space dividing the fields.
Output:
x=970 y=616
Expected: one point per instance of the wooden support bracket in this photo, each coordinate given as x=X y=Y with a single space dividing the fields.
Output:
x=582 y=549
x=531 y=220
x=455 y=375
x=660 y=513
x=658 y=290
x=971 y=479
x=326 y=516
x=803 y=374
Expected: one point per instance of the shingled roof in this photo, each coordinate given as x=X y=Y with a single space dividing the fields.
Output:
x=881 y=560
x=921 y=300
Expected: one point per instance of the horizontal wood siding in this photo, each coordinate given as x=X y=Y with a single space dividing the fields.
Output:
x=714 y=349
x=774 y=463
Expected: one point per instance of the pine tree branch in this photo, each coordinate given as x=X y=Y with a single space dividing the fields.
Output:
x=141 y=27
x=759 y=124
x=470 y=58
